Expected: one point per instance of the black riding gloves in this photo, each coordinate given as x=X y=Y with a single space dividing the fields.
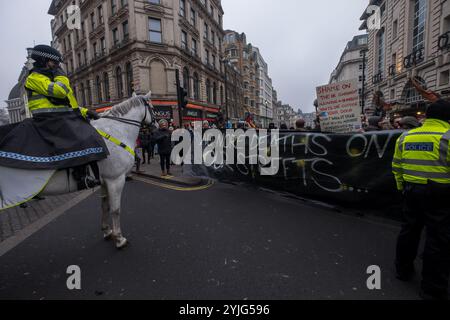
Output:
x=92 y=115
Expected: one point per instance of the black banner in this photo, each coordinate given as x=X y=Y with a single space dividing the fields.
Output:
x=343 y=168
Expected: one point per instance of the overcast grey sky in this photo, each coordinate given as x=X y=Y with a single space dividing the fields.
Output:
x=301 y=40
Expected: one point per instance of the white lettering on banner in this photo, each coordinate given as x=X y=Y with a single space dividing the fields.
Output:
x=339 y=108
x=305 y=158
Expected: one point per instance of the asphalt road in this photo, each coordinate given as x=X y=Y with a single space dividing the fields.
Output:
x=225 y=242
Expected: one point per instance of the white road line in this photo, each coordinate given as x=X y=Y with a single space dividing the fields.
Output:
x=13 y=241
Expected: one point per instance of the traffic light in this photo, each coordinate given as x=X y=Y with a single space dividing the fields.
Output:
x=184 y=98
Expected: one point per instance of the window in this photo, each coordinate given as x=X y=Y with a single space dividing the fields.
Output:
x=207 y=56
x=103 y=45
x=206 y=32
x=126 y=34
x=98 y=84
x=113 y=7
x=444 y=78
x=186 y=80
x=89 y=93
x=100 y=14
x=395 y=29
x=93 y=21
x=155 y=30
x=213 y=61
x=194 y=47
x=208 y=91
x=119 y=83
x=193 y=17
x=213 y=38
x=155 y=1
x=411 y=94
x=130 y=84
x=115 y=33
x=196 y=87
x=123 y=3
x=83 y=94
x=215 y=93
x=420 y=12
x=94 y=47
x=85 y=56
x=183 y=8
x=183 y=40
x=106 y=86
x=82 y=30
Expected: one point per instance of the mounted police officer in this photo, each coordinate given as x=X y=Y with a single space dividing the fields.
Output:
x=421 y=167
x=58 y=136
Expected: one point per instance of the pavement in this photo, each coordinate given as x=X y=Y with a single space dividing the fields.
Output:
x=178 y=177
x=13 y=220
x=225 y=241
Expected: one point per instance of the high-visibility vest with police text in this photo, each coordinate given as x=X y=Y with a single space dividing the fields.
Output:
x=42 y=88
x=422 y=154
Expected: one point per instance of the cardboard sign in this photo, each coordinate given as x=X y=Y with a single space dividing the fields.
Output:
x=339 y=108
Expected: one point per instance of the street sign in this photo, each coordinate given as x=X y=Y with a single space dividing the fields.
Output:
x=339 y=109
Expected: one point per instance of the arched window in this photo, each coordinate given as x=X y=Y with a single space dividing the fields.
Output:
x=215 y=93
x=221 y=95
x=196 y=87
x=186 y=85
x=83 y=94
x=119 y=83
x=89 y=92
x=410 y=94
x=106 y=86
x=130 y=84
x=208 y=91
x=98 y=84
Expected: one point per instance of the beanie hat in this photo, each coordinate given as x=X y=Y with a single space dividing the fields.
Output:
x=439 y=110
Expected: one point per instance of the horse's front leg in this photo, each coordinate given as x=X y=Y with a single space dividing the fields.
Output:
x=106 y=218
x=115 y=188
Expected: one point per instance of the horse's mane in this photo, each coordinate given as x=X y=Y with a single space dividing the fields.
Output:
x=124 y=107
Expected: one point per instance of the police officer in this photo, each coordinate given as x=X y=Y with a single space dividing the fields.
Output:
x=421 y=167
x=53 y=105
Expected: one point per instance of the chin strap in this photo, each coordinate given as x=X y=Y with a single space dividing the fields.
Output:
x=117 y=142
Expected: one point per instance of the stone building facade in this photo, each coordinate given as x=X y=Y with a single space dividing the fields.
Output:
x=17 y=99
x=352 y=65
x=127 y=46
x=254 y=70
x=412 y=42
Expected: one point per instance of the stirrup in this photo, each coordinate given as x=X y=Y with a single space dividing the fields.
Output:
x=88 y=182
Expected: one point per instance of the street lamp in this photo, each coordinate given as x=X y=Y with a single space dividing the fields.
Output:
x=363 y=89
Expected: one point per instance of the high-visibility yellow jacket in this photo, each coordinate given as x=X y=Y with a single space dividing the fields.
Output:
x=422 y=154
x=42 y=88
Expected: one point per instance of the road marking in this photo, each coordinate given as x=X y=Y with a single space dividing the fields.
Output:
x=172 y=187
x=13 y=241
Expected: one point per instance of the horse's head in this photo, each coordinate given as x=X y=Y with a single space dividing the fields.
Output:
x=149 y=113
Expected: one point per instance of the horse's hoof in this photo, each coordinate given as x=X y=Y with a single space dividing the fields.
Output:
x=122 y=243
x=108 y=235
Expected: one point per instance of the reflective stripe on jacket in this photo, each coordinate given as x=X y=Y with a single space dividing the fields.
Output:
x=42 y=88
x=422 y=154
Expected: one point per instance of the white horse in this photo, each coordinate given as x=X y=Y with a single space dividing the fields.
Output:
x=123 y=123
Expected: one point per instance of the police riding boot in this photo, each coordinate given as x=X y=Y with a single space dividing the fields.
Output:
x=84 y=180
